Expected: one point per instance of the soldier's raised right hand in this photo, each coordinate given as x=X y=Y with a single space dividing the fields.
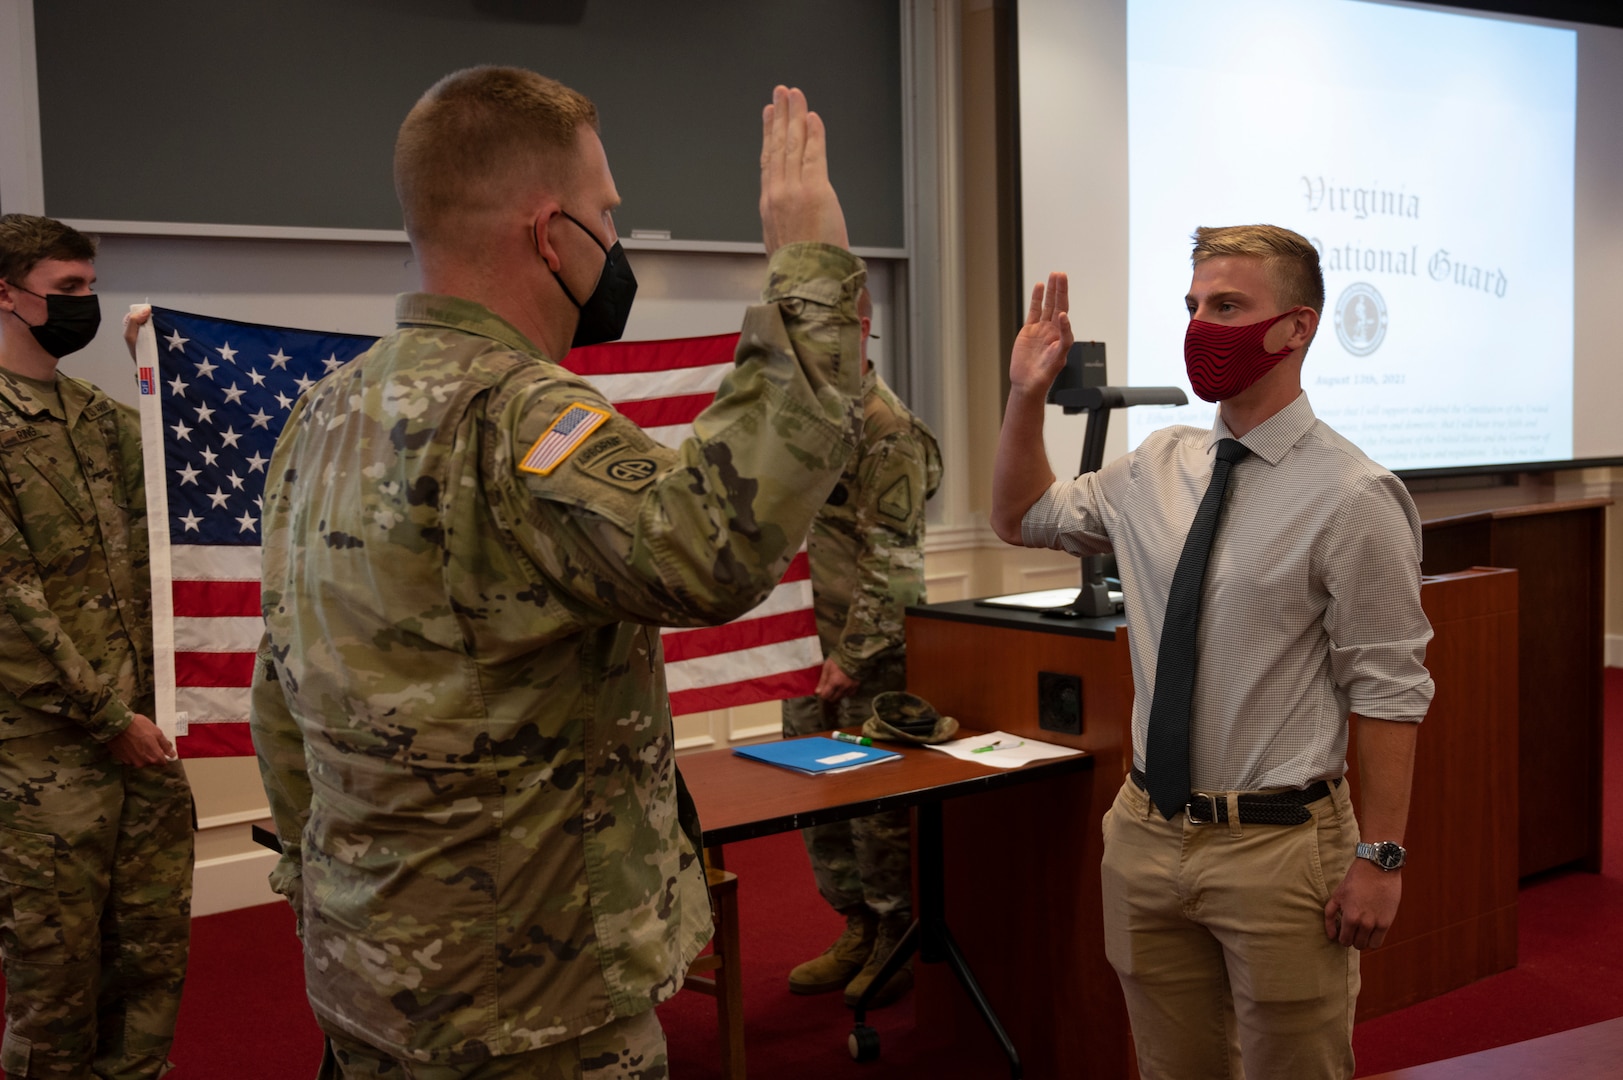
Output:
x=797 y=201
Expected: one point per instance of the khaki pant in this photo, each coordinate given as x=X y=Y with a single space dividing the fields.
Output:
x=1217 y=934
x=631 y=1048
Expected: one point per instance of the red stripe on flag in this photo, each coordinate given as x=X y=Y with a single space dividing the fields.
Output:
x=216 y=740
x=215 y=599
x=788 y=684
x=799 y=569
x=665 y=411
x=630 y=357
x=214 y=668
x=743 y=634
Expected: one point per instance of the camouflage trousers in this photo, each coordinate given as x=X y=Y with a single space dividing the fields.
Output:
x=865 y=861
x=95 y=908
x=631 y=1048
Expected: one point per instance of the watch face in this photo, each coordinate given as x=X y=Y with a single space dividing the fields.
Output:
x=1388 y=856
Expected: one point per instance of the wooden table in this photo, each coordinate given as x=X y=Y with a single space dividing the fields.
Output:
x=739 y=799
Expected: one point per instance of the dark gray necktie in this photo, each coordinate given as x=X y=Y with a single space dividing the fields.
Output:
x=1166 y=753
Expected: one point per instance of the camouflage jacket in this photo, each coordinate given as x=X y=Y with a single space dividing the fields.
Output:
x=460 y=707
x=76 y=629
x=867 y=545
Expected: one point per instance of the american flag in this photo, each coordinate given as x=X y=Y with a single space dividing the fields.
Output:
x=212 y=405
x=772 y=652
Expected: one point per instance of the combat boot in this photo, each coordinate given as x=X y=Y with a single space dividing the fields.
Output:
x=841 y=960
x=891 y=929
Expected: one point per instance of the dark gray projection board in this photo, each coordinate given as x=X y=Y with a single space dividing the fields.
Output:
x=284 y=112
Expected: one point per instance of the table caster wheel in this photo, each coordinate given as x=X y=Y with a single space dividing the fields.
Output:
x=863 y=1043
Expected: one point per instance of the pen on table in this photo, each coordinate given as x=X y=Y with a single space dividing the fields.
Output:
x=993 y=745
x=840 y=736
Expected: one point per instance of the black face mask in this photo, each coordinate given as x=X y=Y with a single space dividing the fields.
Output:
x=604 y=313
x=70 y=322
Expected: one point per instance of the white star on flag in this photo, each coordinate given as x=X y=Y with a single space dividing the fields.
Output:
x=279 y=359
x=228 y=352
x=206 y=368
x=175 y=341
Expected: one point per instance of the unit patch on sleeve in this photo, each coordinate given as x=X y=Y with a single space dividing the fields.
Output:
x=560 y=440
x=897 y=500
x=628 y=468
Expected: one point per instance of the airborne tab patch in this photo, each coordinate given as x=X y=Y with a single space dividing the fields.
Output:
x=560 y=440
x=897 y=501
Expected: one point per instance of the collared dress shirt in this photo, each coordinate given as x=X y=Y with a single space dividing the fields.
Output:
x=1311 y=603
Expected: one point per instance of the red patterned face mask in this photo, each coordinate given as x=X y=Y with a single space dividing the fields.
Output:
x=1223 y=361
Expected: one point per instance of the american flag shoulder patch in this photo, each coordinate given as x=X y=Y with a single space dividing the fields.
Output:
x=562 y=438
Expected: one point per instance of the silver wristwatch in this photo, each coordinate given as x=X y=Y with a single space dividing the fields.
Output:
x=1383 y=853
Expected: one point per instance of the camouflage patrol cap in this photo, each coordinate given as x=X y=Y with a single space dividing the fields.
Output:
x=903 y=717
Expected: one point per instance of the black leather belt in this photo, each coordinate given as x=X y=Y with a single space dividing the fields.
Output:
x=1278 y=808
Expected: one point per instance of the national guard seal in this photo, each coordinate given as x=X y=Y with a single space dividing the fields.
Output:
x=1361 y=319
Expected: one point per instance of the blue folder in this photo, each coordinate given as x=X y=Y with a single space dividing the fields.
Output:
x=815 y=755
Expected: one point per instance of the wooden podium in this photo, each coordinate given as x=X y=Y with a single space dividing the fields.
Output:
x=1022 y=865
x=1559 y=550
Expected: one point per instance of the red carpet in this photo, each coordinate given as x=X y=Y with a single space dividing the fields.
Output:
x=244 y=1016
x=1570 y=945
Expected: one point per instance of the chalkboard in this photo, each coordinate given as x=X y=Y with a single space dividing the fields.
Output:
x=284 y=112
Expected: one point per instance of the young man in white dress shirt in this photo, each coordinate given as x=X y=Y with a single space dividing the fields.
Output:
x=1233 y=919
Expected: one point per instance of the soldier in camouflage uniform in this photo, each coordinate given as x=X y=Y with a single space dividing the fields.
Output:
x=460 y=705
x=95 y=817
x=867 y=565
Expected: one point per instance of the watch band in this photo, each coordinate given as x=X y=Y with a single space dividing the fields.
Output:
x=1383 y=853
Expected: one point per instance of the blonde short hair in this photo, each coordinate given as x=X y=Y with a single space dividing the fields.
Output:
x=475 y=137
x=1289 y=259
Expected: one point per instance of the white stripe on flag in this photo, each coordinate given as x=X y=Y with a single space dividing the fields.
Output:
x=774 y=659
x=218 y=634
x=196 y=562
x=788 y=596
x=645 y=385
x=213 y=704
x=672 y=436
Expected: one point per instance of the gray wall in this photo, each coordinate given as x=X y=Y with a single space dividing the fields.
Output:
x=283 y=112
